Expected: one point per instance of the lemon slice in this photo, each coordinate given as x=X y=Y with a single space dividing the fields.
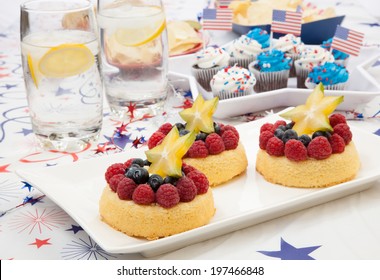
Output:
x=66 y=60
x=142 y=32
x=32 y=70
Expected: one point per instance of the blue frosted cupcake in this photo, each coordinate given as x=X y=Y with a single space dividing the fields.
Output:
x=261 y=36
x=271 y=70
x=331 y=75
x=340 y=57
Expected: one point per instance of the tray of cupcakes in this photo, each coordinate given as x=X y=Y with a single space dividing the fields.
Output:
x=254 y=73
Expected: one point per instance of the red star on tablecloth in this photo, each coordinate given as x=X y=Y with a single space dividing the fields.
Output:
x=3 y=168
x=40 y=242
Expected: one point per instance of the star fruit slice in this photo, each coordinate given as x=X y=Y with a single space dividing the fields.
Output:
x=199 y=116
x=166 y=158
x=313 y=115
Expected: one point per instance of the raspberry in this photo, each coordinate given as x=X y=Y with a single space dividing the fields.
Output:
x=165 y=128
x=167 y=196
x=155 y=139
x=143 y=194
x=128 y=163
x=264 y=137
x=230 y=140
x=116 y=168
x=186 y=189
x=319 y=148
x=114 y=181
x=232 y=128
x=278 y=123
x=125 y=188
x=198 y=150
x=187 y=168
x=200 y=181
x=295 y=150
x=266 y=126
x=344 y=131
x=337 y=119
x=275 y=147
x=337 y=144
x=214 y=144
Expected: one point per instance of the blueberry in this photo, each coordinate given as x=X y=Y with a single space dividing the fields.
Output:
x=180 y=126
x=138 y=161
x=139 y=175
x=279 y=133
x=282 y=127
x=155 y=181
x=216 y=128
x=170 y=180
x=147 y=163
x=183 y=132
x=289 y=134
x=289 y=125
x=321 y=133
x=305 y=139
x=201 y=136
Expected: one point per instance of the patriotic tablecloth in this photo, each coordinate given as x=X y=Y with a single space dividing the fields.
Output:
x=33 y=227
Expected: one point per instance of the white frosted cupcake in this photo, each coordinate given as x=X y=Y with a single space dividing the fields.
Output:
x=208 y=62
x=243 y=51
x=310 y=57
x=231 y=82
x=292 y=46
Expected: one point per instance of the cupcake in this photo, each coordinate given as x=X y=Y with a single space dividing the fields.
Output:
x=271 y=70
x=292 y=47
x=309 y=58
x=261 y=36
x=330 y=74
x=208 y=62
x=232 y=81
x=340 y=57
x=243 y=51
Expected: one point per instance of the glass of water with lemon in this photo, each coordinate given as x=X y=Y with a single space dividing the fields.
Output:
x=59 y=46
x=134 y=57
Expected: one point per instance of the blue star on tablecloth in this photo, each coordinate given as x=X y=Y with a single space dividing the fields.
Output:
x=75 y=229
x=26 y=185
x=375 y=24
x=121 y=141
x=8 y=86
x=25 y=131
x=289 y=252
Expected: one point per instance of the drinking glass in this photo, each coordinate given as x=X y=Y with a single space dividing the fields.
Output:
x=134 y=55
x=59 y=47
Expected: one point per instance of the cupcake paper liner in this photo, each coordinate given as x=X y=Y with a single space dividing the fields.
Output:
x=204 y=76
x=242 y=62
x=301 y=74
x=292 y=71
x=225 y=94
x=339 y=86
x=267 y=81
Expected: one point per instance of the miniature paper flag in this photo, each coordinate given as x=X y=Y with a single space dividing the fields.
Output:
x=286 y=22
x=217 y=19
x=347 y=41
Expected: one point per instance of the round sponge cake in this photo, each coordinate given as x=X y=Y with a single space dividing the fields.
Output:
x=154 y=221
x=222 y=167
x=311 y=173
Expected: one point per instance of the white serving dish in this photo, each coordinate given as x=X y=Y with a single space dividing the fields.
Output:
x=242 y=202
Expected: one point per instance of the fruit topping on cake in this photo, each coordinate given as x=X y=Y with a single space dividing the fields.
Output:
x=162 y=178
x=313 y=115
x=312 y=131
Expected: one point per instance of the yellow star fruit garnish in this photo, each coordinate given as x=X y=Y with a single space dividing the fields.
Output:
x=314 y=114
x=199 y=116
x=166 y=158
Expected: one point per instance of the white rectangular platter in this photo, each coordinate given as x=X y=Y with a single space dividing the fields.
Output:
x=242 y=202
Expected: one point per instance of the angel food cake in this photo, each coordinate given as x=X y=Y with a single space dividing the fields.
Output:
x=314 y=150
x=159 y=196
x=217 y=151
